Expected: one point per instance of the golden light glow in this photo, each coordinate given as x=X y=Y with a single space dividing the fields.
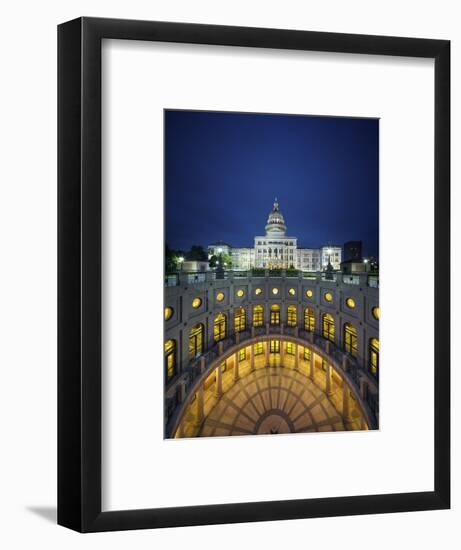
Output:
x=258 y=291
x=373 y=356
x=239 y=319
x=375 y=312
x=275 y=291
x=292 y=291
x=196 y=302
x=328 y=296
x=350 y=339
x=168 y=313
x=170 y=359
x=258 y=316
x=291 y=316
x=219 y=327
x=220 y=296
x=196 y=341
x=309 y=319
x=309 y=293
x=240 y=293
x=328 y=327
x=350 y=303
x=275 y=314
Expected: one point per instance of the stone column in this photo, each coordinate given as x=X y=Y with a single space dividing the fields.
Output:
x=296 y=357
x=328 y=388
x=267 y=328
x=236 y=367
x=218 y=388
x=346 y=403
x=252 y=331
x=202 y=364
x=267 y=352
x=220 y=348
x=182 y=391
x=180 y=430
x=312 y=366
x=252 y=357
x=200 y=402
x=237 y=337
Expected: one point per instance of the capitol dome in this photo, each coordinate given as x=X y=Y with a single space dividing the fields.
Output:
x=275 y=222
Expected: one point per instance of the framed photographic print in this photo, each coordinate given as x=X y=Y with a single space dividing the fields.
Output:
x=253 y=274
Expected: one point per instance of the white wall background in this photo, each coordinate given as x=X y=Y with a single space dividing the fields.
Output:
x=28 y=274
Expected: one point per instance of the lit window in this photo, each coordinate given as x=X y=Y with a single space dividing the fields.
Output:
x=258 y=348
x=291 y=316
x=258 y=291
x=170 y=359
x=219 y=327
x=350 y=303
x=220 y=296
x=328 y=296
x=309 y=293
x=239 y=319
x=275 y=291
x=196 y=302
x=168 y=313
x=258 y=316
x=292 y=292
x=307 y=354
x=350 y=339
x=196 y=341
x=375 y=312
x=275 y=315
x=240 y=293
x=242 y=354
x=373 y=356
x=328 y=327
x=275 y=346
x=290 y=348
x=309 y=319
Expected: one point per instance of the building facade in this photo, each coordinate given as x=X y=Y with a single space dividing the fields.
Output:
x=276 y=250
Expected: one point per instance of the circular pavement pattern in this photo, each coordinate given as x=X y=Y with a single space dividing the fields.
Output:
x=272 y=400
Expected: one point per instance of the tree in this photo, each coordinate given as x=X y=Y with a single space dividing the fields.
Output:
x=197 y=253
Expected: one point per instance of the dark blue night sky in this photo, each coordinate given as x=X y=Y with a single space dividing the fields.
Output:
x=223 y=171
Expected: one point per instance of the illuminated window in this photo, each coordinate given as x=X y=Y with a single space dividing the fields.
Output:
x=219 y=327
x=275 y=346
x=292 y=292
x=275 y=315
x=196 y=302
x=240 y=293
x=309 y=293
x=309 y=319
x=350 y=303
x=258 y=348
x=223 y=366
x=220 y=296
x=168 y=313
x=196 y=341
x=275 y=291
x=328 y=296
x=350 y=339
x=242 y=354
x=375 y=312
x=328 y=327
x=290 y=348
x=258 y=316
x=239 y=319
x=373 y=356
x=258 y=291
x=307 y=354
x=291 y=316
x=170 y=359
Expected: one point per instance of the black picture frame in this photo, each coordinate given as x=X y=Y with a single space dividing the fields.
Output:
x=79 y=274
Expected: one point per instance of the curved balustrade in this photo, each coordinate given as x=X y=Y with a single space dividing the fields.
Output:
x=361 y=383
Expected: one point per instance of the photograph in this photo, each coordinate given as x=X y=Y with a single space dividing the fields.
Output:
x=271 y=292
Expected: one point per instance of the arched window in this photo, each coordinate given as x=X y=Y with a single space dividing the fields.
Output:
x=274 y=346
x=219 y=327
x=350 y=339
x=196 y=341
x=170 y=359
x=275 y=314
x=328 y=327
x=373 y=356
x=239 y=319
x=309 y=319
x=258 y=316
x=291 y=316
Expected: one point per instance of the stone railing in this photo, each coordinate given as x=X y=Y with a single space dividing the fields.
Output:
x=357 y=376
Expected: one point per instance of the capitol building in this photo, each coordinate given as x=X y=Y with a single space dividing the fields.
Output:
x=274 y=350
x=276 y=250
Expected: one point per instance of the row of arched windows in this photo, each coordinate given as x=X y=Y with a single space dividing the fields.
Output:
x=196 y=335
